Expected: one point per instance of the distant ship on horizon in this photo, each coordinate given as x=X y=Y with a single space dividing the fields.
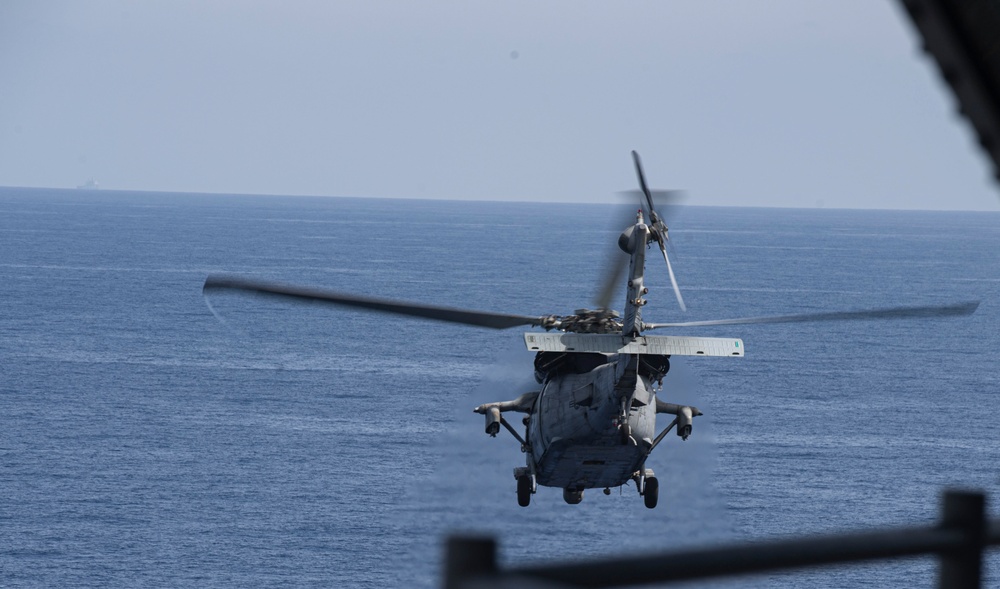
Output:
x=90 y=185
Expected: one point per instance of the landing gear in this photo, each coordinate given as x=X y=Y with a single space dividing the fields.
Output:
x=524 y=490
x=572 y=496
x=625 y=431
x=648 y=486
x=652 y=492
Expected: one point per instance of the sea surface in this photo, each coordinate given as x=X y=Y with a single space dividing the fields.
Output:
x=144 y=442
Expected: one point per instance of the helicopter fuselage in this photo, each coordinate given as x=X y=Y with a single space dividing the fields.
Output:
x=578 y=435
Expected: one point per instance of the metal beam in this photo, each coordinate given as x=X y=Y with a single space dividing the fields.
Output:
x=958 y=541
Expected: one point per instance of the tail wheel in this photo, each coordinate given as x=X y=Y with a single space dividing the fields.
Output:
x=572 y=497
x=524 y=490
x=651 y=493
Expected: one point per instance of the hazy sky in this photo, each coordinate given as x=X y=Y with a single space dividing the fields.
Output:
x=763 y=103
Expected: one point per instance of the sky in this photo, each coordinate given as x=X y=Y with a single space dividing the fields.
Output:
x=785 y=103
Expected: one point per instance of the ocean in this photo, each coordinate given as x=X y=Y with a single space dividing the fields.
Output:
x=145 y=442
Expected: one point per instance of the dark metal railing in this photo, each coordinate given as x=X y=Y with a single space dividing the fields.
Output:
x=958 y=541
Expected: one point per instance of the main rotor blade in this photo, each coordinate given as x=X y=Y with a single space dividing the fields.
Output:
x=302 y=293
x=957 y=309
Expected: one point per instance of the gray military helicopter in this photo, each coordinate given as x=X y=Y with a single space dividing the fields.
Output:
x=592 y=422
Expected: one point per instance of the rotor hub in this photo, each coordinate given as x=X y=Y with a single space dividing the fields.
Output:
x=592 y=321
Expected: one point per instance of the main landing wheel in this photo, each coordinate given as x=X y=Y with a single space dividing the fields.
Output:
x=524 y=490
x=652 y=492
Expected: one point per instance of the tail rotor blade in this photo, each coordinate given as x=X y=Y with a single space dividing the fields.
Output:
x=642 y=181
x=662 y=199
x=614 y=269
x=673 y=280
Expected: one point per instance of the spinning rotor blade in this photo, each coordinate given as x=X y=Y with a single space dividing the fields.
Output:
x=957 y=309
x=661 y=198
x=614 y=268
x=615 y=262
x=642 y=184
x=673 y=281
x=467 y=317
x=653 y=198
x=659 y=227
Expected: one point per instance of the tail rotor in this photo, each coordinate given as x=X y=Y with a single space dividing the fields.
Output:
x=656 y=224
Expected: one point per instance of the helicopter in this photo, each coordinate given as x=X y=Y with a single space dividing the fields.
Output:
x=591 y=423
